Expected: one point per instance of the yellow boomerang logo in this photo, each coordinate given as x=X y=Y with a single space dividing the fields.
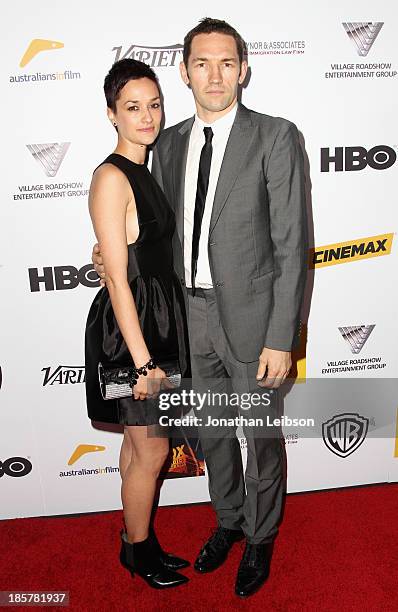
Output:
x=37 y=45
x=82 y=449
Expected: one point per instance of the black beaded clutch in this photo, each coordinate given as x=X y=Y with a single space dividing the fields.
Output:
x=116 y=382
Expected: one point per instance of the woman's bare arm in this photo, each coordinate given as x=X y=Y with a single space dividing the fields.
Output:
x=109 y=197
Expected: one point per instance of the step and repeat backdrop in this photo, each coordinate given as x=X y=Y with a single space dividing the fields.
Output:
x=332 y=69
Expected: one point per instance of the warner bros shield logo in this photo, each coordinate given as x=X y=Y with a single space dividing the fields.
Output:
x=344 y=433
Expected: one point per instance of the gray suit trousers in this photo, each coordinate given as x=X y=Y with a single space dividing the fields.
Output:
x=252 y=501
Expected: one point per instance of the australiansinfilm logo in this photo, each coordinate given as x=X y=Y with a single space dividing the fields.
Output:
x=158 y=56
x=361 y=37
x=80 y=451
x=37 y=49
x=49 y=157
x=62 y=277
x=355 y=337
x=344 y=433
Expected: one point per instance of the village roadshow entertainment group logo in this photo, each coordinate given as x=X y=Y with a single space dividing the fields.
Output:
x=49 y=157
x=362 y=35
x=356 y=336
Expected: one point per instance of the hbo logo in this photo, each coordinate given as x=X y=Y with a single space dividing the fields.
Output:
x=357 y=158
x=15 y=466
x=63 y=277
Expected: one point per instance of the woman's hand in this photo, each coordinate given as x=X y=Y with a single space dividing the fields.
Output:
x=147 y=387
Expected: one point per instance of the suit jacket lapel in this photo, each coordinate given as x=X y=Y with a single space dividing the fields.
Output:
x=180 y=153
x=236 y=150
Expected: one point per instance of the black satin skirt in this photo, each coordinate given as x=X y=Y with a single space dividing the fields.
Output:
x=160 y=304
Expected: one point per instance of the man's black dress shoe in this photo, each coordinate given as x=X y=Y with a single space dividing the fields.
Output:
x=216 y=549
x=253 y=569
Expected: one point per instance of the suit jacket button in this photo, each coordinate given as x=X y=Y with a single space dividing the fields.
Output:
x=182 y=281
x=219 y=284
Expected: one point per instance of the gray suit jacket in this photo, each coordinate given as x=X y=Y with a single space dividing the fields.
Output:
x=257 y=240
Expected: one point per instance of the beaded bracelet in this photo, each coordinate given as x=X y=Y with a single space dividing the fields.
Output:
x=149 y=365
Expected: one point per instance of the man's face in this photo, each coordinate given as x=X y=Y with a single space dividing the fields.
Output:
x=213 y=72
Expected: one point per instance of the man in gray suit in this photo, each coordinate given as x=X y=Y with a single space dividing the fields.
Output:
x=235 y=179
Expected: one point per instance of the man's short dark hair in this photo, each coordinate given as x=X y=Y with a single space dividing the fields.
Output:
x=122 y=72
x=207 y=26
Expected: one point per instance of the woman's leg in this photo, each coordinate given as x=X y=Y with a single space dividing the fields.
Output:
x=141 y=459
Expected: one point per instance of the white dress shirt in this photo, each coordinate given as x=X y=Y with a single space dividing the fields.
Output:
x=221 y=130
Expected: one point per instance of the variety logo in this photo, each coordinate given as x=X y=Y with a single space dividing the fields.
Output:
x=363 y=34
x=62 y=277
x=356 y=336
x=36 y=46
x=64 y=375
x=49 y=155
x=15 y=466
x=83 y=449
x=344 y=433
x=352 y=250
x=350 y=159
x=156 y=57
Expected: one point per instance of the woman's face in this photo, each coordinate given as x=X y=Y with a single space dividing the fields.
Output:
x=138 y=112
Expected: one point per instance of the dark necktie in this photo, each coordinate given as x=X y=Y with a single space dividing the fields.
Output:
x=201 y=192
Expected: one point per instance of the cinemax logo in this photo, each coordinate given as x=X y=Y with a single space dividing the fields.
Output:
x=64 y=375
x=352 y=250
x=344 y=433
x=62 y=277
x=363 y=34
x=156 y=57
x=15 y=466
x=49 y=155
x=356 y=336
x=349 y=159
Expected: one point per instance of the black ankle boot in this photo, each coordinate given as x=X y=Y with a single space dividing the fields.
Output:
x=143 y=559
x=168 y=560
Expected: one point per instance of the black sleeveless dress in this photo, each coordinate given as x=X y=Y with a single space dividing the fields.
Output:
x=158 y=296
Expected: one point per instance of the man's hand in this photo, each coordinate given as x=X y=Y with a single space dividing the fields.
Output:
x=277 y=364
x=98 y=264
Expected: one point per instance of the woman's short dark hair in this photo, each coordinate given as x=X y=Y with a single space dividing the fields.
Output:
x=207 y=26
x=122 y=72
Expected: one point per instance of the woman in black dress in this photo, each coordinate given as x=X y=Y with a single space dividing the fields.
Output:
x=140 y=315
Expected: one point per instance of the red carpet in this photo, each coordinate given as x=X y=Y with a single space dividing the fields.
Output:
x=336 y=550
